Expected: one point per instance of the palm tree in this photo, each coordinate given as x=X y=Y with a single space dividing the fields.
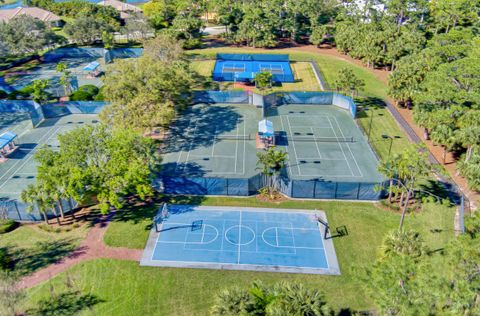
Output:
x=412 y=165
x=403 y=242
x=65 y=78
x=388 y=168
x=271 y=162
x=296 y=299
x=469 y=136
x=230 y=302
x=33 y=195
x=444 y=135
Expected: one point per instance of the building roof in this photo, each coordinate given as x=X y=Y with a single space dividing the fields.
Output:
x=43 y=15
x=120 y=6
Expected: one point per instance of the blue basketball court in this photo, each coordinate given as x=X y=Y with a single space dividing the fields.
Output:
x=241 y=239
x=244 y=67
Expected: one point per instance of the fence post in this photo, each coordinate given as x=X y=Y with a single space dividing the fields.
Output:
x=18 y=211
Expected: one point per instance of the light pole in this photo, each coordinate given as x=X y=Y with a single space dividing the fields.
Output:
x=391 y=143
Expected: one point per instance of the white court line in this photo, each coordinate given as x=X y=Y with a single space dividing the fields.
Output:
x=294 y=149
x=341 y=147
x=353 y=156
x=216 y=156
x=239 y=237
x=236 y=149
x=244 y=146
x=30 y=154
x=223 y=233
x=313 y=159
x=286 y=148
x=276 y=235
x=293 y=237
x=181 y=151
x=214 y=140
x=316 y=144
x=190 y=147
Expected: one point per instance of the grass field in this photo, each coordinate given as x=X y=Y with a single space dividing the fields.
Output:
x=147 y=290
x=32 y=248
x=373 y=110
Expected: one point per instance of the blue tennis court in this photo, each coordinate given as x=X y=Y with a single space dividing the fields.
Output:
x=241 y=239
x=244 y=67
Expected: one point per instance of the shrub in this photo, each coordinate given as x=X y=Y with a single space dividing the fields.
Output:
x=23 y=93
x=192 y=43
x=7 y=226
x=5 y=259
x=85 y=93
x=100 y=96
x=90 y=89
x=3 y=94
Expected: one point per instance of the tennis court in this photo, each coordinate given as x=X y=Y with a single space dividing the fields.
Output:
x=212 y=150
x=244 y=67
x=241 y=239
x=20 y=169
x=18 y=79
x=208 y=140
x=323 y=142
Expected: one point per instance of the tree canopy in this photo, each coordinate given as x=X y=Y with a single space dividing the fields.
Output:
x=145 y=93
x=94 y=161
x=25 y=35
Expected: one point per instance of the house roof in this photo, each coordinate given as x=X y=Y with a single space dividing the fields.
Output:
x=120 y=6
x=43 y=15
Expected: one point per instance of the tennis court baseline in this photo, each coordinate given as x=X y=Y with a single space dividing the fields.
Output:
x=237 y=238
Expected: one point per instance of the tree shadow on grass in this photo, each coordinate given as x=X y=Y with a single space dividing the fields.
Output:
x=68 y=303
x=440 y=189
x=42 y=254
x=364 y=104
x=139 y=212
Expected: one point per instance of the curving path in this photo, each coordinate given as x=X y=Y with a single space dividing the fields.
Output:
x=92 y=247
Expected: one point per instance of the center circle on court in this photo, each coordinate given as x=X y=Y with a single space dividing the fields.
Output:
x=239 y=235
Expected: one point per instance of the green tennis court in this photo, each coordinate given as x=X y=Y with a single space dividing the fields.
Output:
x=324 y=142
x=20 y=169
x=212 y=150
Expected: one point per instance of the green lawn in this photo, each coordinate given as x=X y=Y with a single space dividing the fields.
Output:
x=124 y=288
x=4 y=2
x=373 y=110
x=32 y=248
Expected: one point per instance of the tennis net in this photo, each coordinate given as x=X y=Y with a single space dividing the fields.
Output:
x=229 y=70
x=279 y=139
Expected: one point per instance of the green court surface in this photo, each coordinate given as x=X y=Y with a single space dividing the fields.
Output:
x=20 y=169
x=323 y=142
x=196 y=147
x=19 y=78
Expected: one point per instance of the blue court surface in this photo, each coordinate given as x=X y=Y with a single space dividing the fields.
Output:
x=241 y=239
x=244 y=67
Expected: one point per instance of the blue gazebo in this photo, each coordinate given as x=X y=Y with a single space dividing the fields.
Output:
x=266 y=133
x=92 y=68
x=7 y=144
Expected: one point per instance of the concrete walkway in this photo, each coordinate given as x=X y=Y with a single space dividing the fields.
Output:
x=92 y=247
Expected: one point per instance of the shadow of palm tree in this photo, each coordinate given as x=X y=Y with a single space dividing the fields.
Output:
x=68 y=303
